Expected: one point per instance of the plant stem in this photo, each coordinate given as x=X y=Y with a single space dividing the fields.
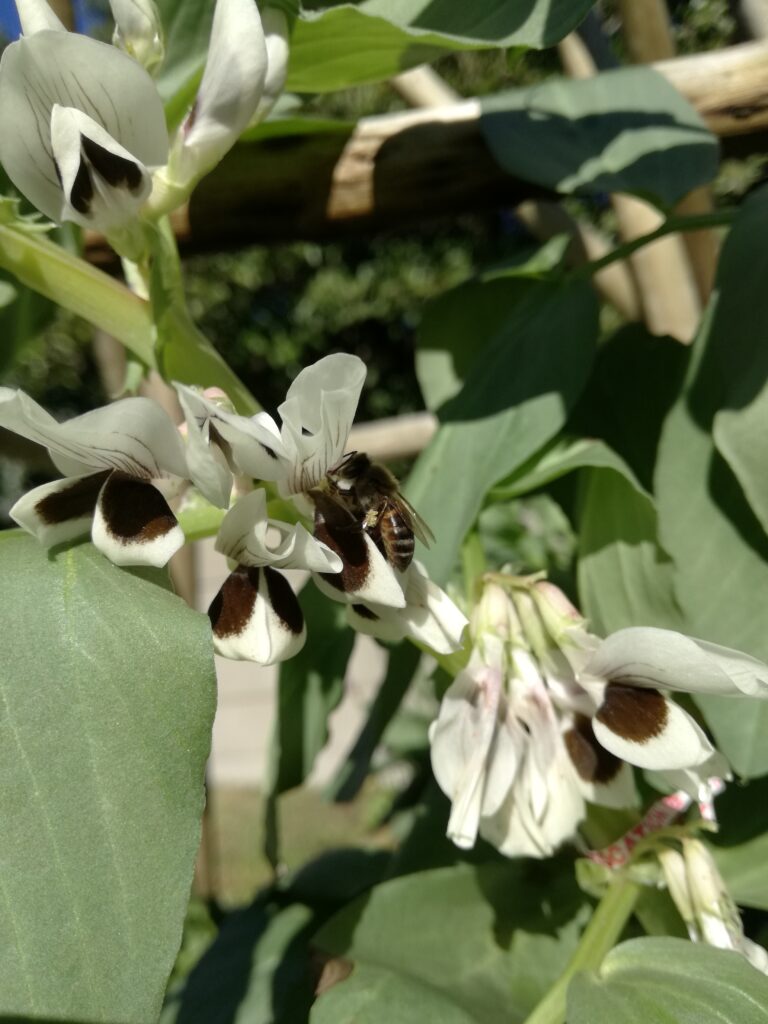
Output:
x=77 y=286
x=473 y=565
x=605 y=926
x=694 y=222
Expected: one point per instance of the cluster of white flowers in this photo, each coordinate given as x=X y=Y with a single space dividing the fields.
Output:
x=82 y=126
x=547 y=717
x=125 y=462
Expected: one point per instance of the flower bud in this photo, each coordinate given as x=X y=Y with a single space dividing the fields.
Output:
x=139 y=31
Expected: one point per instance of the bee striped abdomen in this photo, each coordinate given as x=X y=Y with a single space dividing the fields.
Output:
x=397 y=539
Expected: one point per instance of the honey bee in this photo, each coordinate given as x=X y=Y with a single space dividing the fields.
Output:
x=372 y=494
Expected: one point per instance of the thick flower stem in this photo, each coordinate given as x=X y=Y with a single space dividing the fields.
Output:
x=605 y=926
x=75 y=285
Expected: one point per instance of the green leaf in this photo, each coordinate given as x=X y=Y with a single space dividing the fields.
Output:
x=187 y=28
x=108 y=693
x=718 y=546
x=563 y=456
x=347 y=45
x=310 y=686
x=743 y=868
x=403 y=662
x=736 y=347
x=626 y=130
x=456 y=325
x=625 y=579
x=516 y=397
x=461 y=944
x=256 y=972
x=671 y=981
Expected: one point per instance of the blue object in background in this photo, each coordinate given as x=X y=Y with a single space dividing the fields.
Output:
x=87 y=17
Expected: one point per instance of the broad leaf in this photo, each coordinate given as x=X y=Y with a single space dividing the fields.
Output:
x=261 y=968
x=256 y=972
x=558 y=459
x=626 y=130
x=347 y=45
x=669 y=980
x=736 y=347
x=625 y=579
x=462 y=944
x=108 y=693
x=719 y=548
x=743 y=868
x=310 y=686
x=516 y=397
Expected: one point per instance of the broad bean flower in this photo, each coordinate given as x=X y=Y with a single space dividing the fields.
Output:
x=82 y=125
x=547 y=717
x=121 y=463
x=345 y=562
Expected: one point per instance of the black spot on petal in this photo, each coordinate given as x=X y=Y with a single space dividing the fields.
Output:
x=365 y=613
x=231 y=609
x=72 y=502
x=284 y=602
x=81 y=195
x=134 y=510
x=593 y=762
x=635 y=714
x=115 y=170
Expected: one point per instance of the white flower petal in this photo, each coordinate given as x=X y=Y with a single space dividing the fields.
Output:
x=317 y=416
x=645 y=656
x=37 y=16
x=253 y=445
x=133 y=435
x=504 y=760
x=698 y=780
x=602 y=778
x=103 y=184
x=60 y=511
x=256 y=617
x=368 y=580
x=206 y=464
x=382 y=624
x=276 y=37
x=232 y=84
x=430 y=615
x=646 y=729
x=460 y=741
x=250 y=538
x=139 y=30
x=133 y=523
x=72 y=70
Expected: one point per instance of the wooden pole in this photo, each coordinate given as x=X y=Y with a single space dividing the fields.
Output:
x=397 y=170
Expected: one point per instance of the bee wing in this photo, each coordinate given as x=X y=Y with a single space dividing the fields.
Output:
x=333 y=509
x=419 y=527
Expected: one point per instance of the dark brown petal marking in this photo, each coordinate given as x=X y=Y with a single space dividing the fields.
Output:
x=635 y=715
x=365 y=613
x=231 y=609
x=284 y=602
x=134 y=510
x=115 y=170
x=73 y=502
x=343 y=534
x=81 y=195
x=593 y=762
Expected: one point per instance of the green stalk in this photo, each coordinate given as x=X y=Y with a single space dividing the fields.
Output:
x=693 y=222
x=601 y=934
x=473 y=565
x=75 y=285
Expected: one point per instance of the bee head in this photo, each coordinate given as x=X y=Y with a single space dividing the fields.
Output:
x=352 y=467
